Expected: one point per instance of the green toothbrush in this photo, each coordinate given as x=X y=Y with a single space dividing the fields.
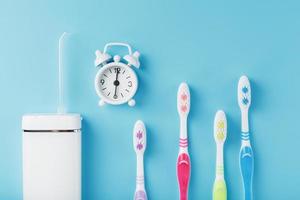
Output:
x=220 y=133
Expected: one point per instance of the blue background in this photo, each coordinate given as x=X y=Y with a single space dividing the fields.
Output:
x=209 y=45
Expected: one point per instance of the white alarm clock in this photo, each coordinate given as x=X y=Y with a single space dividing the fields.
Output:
x=116 y=82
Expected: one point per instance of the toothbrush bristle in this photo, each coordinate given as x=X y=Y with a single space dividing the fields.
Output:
x=244 y=92
x=139 y=136
x=183 y=99
x=220 y=131
x=220 y=128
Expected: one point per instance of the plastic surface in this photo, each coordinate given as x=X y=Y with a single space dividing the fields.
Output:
x=183 y=160
x=133 y=59
x=51 y=122
x=220 y=134
x=139 y=145
x=246 y=153
x=101 y=58
x=51 y=159
x=183 y=175
x=183 y=108
x=183 y=100
x=244 y=100
x=220 y=190
x=140 y=195
x=220 y=127
x=247 y=167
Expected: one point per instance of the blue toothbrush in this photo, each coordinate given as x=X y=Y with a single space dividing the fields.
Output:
x=246 y=154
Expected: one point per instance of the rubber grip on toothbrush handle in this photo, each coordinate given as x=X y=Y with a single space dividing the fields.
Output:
x=183 y=175
x=220 y=190
x=247 y=168
x=140 y=195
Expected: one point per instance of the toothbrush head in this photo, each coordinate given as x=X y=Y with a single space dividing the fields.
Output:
x=244 y=93
x=183 y=100
x=220 y=127
x=139 y=137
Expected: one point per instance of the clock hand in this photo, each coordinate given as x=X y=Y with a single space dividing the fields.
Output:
x=116 y=83
x=117 y=75
x=115 y=95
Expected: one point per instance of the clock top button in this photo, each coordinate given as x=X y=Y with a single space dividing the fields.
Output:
x=117 y=58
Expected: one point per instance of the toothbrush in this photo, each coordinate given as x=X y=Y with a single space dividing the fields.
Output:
x=220 y=133
x=183 y=160
x=246 y=154
x=139 y=144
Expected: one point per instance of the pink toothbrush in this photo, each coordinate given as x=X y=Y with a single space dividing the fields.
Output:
x=183 y=161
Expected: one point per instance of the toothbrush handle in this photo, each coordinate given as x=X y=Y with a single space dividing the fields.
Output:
x=220 y=190
x=183 y=174
x=140 y=195
x=140 y=192
x=247 y=167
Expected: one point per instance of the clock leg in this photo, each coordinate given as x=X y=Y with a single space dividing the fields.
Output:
x=101 y=102
x=131 y=102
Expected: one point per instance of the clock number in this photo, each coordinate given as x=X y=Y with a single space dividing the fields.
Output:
x=117 y=69
x=102 y=81
x=129 y=84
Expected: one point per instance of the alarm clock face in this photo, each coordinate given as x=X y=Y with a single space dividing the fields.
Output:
x=116 y=83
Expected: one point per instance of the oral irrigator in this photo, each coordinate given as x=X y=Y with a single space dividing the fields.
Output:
x=52 y=152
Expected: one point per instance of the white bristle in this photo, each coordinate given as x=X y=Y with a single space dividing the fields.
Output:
x=139 y=137
x=244 y=93
x=220 y=126
x=183 y=99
